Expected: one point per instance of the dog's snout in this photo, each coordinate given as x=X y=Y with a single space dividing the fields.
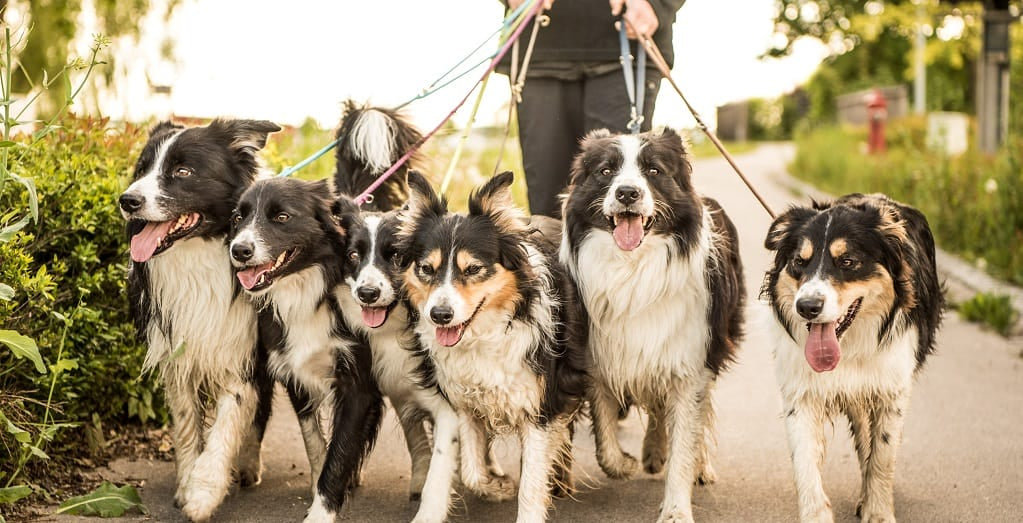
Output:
x=627 y=194
x=442 y=314
x=131 y=202
x=241 y=251
x=368 y=294
x=810 y=307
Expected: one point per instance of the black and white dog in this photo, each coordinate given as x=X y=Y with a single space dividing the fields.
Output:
x=658 y=271
x=187 y=306
x=287 y=248
x=370 y=140
x=856 y=302
x=499 y=328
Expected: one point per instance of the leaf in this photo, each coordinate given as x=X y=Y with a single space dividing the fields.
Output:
x=19 y=433
x=37 y=452
x=8 y=232
x=107 y=501
x=33 y=197
x=6 y=292
x=63 y=365
x=12 y=494
x=23 y=347
x=7 y=143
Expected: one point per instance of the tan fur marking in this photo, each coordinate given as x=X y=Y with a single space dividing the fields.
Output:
x=499 y=290
x=464 y=259
x=418 y=292
x=838 y=248
x=806 y=249
x=878 y=294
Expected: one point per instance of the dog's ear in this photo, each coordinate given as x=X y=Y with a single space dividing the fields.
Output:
x=668 y=139
x=245 y=136
x=783 y=225
x=494 y=201
x=591 y=143
x=163 y=127
x=345 y=213
x=422 y=197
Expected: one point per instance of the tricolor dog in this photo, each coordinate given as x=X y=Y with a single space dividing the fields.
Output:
x=856 y=303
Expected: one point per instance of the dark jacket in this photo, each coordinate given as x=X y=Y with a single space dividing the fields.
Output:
x=584 y=31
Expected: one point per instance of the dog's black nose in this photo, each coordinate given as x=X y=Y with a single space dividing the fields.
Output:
x=367 y=294
x=442 y=314
x=131 y=202
x=811 y=307
x=626 y=194
x=241 y=251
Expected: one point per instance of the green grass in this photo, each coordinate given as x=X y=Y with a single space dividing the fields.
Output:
x=993 y=310
x=706 y=149
x=974 y=202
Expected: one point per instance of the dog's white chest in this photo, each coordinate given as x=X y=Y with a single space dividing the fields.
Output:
x=393 y=361
x=203 y=331
x=489 y=376
x=647 y=308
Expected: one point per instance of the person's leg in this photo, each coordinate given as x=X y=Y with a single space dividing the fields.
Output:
x=606 y=101
x=550 y=125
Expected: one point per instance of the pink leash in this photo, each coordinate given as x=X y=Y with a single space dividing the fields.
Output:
x=365 y=195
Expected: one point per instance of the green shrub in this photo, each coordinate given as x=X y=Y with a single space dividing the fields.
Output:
x=993 y=310
x=974 y=202
x=72 y=265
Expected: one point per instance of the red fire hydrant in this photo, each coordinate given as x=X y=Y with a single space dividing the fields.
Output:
x=877 y=113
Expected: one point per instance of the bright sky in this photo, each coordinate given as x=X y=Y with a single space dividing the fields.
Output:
x=288 y=61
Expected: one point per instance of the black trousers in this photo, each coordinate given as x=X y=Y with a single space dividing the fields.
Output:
x=555 y=114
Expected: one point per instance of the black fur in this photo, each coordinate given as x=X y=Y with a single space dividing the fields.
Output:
x=882 y=232
x=319 y=239
x=352 y=175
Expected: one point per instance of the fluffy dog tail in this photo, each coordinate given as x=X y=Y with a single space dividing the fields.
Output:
x=371 y=140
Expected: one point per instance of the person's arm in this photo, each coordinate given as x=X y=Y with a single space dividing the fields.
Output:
x=640 y=15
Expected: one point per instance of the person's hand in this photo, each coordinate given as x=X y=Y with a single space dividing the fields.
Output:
x=514 y=4
x=641 y=18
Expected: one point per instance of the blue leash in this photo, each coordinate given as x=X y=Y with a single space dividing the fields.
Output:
x=633 y=83
x=432 y=88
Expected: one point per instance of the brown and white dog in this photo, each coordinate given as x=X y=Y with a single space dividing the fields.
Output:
x=856 y=303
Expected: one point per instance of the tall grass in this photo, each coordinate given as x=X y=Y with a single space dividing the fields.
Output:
x=974 y=202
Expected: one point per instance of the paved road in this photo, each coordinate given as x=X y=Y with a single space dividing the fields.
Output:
x=961 y=459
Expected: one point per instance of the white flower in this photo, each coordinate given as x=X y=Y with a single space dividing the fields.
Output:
x=990 y=186
x=981 y=264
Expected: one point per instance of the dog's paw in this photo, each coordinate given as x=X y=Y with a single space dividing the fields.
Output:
x=623 y=467
x=563 y=487
x=318 y=512
x=250 y=477
x=706 y=475
x=415 y=496
x=876 y=516
x=675 y=516
x=200 y=503
x=653 y=460
x=819 y=515
x=497 y=489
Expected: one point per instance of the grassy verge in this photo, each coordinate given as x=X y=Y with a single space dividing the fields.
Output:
x=974 y=202
x=993 y=310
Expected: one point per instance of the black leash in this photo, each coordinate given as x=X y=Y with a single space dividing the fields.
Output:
x=634 y=86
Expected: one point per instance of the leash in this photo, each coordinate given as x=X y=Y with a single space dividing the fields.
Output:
x=534 y=9
x=517 y=79
x=434 y=86
x=635 y=87
x=662 y=66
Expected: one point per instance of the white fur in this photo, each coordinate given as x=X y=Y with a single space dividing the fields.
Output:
x=372 y=140
x=629 y=175
x=209 y=348
x=318 y=512
x=148 y=187
x=817 y=287
x=250 y=235
x=871 y=385
x=371 y=275
x=649 y=339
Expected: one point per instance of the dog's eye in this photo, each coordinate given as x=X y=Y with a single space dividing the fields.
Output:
x=396 y=259
x=236 y=218
x=282 y=217
x=473 y=269
x=354 y=256
x=799 y=262
x=847 y=263
x=426 y=269
x=605 y=172
x=182 y=172
x=653 y=172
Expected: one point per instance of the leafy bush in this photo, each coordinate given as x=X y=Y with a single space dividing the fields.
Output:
x=993 y=310
x=69 y=270
x=974 y=202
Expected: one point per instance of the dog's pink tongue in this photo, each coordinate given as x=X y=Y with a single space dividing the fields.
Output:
x=822 y=349
x=250 y=277
x=374 y=316
x=449 y=336
x=144 y=244
x=629 y=232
